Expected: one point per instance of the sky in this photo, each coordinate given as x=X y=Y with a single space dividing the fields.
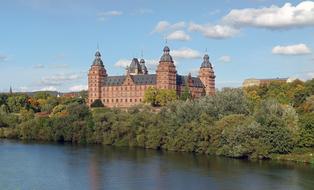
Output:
x=50 y=44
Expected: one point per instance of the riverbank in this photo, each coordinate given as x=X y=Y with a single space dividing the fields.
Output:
x=299 y=156
x=304 y=155
x=227 y=124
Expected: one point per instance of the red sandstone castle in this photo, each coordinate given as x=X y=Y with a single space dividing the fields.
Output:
x=128 y=90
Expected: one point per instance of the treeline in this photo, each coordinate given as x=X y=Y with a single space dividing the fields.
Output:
x=254 y=122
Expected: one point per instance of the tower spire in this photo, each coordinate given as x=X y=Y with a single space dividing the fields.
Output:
x=11 y=91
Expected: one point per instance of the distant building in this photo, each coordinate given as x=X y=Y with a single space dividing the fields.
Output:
x=128 y=90
x=261 y=82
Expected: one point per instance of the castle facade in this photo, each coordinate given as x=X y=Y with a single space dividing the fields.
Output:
x=128 y=90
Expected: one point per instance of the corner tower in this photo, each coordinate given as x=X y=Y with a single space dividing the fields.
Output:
x=96 y=76
x=207 y=76
x=166 y=71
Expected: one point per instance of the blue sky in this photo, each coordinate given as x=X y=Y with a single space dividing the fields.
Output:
x=50 y=44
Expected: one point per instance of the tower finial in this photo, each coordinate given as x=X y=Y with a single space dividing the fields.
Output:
x=142 y=53
x=206 y=50
x=11 y=91
x=97 y=46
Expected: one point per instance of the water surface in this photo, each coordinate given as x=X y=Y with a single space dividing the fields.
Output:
x=34 y=166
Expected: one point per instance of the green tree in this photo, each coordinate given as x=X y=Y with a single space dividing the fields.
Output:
x=150 y=96
x=42 y=95
x=307 y=130
x=165 y=96
x=97 y=103
x=186 y=93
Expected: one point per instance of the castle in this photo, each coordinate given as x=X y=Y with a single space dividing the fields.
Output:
x=128 y=90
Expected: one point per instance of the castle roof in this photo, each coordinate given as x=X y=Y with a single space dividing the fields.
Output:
x=166 y=57
x=206 y=63
x=182 y=81
x=135 y=65
x=138 y=80
x=97 y=60
x=150 y=79
x=143 y=66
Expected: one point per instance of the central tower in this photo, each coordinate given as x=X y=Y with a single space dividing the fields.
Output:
x=166 y=71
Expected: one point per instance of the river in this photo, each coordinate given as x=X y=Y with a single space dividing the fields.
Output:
x=33 y=166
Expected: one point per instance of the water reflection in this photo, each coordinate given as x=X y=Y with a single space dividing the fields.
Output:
x=55 y=166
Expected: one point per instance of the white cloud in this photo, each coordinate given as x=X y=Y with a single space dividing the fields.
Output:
x=104 y=15
x=302 y=76
x=123 y=63
x=225 y=59
x=298 y=49
x=126 y=62
x=39 y=66
x=48 y=88
x=178 y=25
x=186 y=53
x=274 y=17
x=161 y=26
x=165 y=25
x=78 y=88
x=214 y=31
x=179 y=35
x=151 y=64
x=59 y=79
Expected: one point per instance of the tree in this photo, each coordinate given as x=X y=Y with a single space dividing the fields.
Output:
x=26 y=115
x=277 y=133
x=307 y=130
x=150 y=96
x=97 y=104
x=186 y=93
x=41 y=95
x=16 y=102
x=165 y=96
x=159 y=97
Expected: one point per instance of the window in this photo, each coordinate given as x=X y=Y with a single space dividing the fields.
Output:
x=117 y=100
x=130 y=100
x=140 y=100
x=126 y=100
x=135 y=100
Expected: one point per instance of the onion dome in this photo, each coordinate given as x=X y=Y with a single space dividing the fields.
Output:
x=143 y=66
x=97 y=60
x=135 y=66
x=206 y=63
x=166 y=57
